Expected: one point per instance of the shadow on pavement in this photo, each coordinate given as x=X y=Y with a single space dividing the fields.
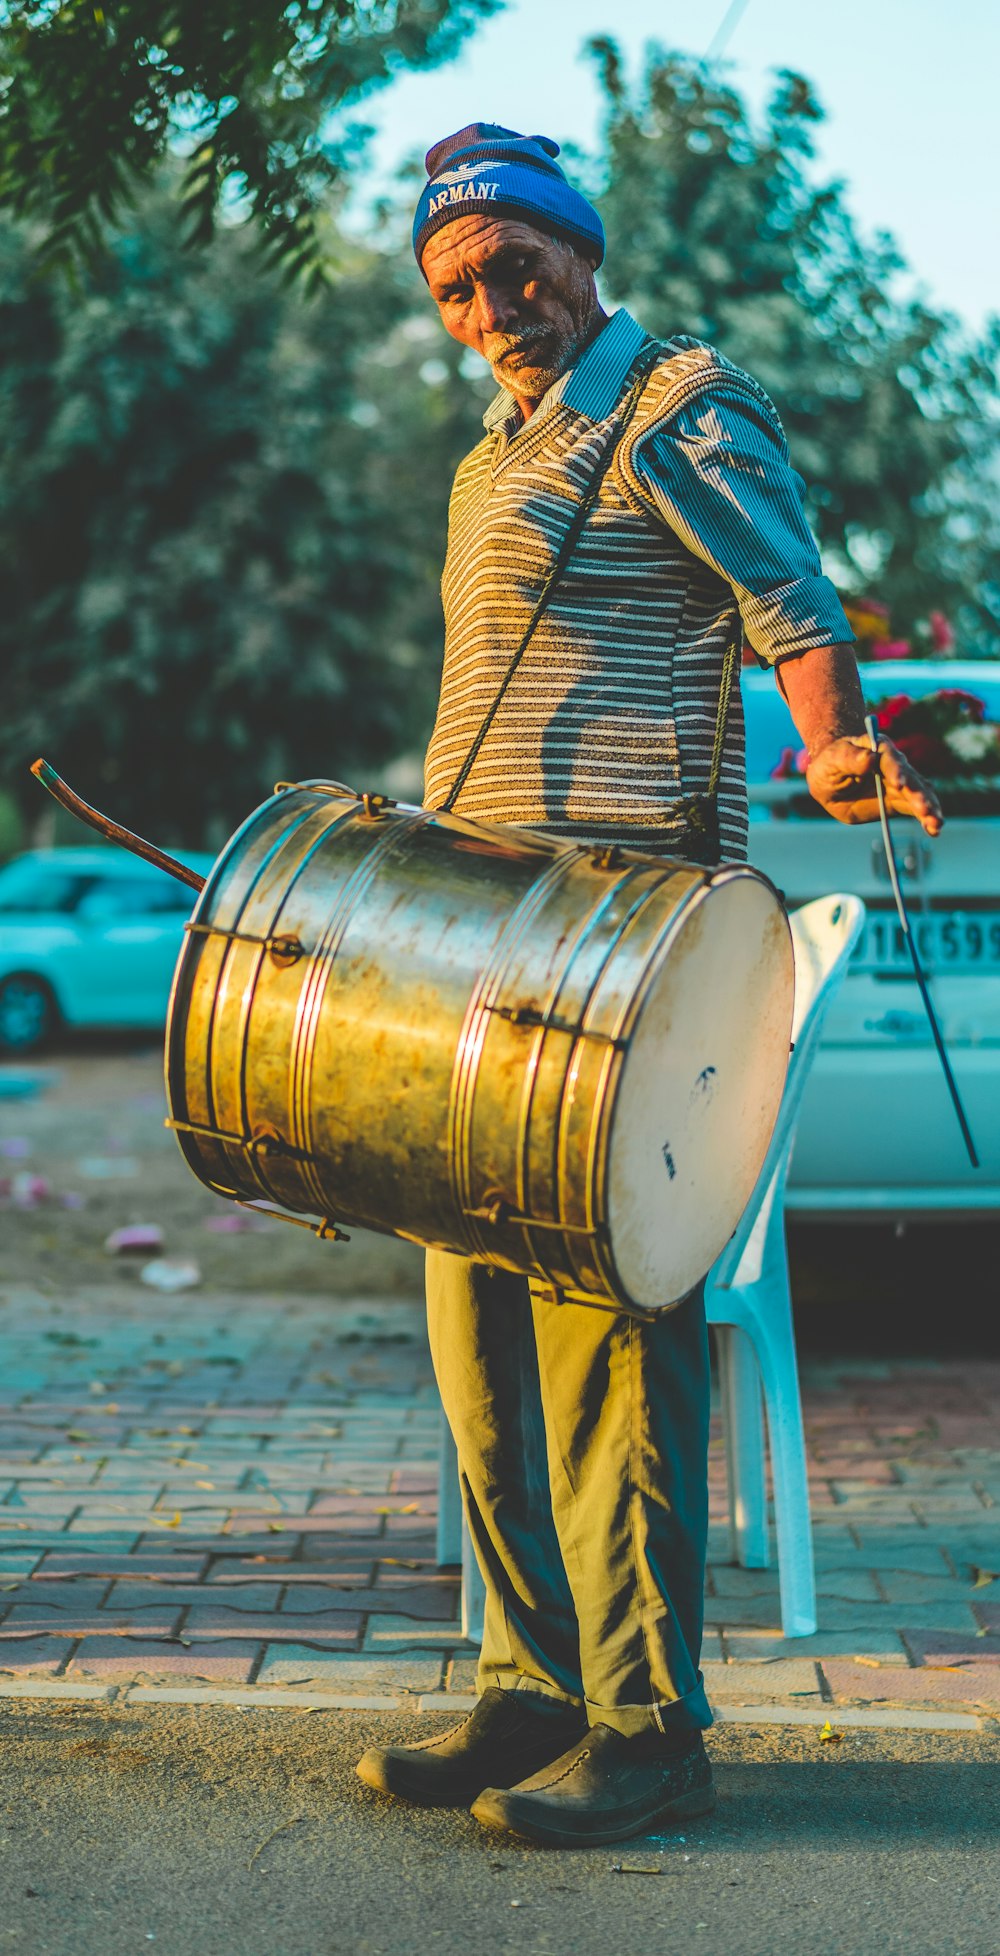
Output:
x=203 y=1829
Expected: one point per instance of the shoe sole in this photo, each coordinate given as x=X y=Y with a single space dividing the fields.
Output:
x=495 y=1809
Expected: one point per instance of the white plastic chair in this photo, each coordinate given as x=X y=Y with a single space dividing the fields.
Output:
x=454 y=1542
x=748 y=1302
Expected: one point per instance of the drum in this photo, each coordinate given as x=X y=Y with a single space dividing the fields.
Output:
x=559 y=1059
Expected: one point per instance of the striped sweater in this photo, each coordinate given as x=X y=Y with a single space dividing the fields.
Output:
x=697 y=535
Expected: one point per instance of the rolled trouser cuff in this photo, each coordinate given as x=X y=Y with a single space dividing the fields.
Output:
x=672 y=1718
x=545 y=1697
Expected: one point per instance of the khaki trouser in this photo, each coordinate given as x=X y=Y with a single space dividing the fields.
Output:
x=582 y=1441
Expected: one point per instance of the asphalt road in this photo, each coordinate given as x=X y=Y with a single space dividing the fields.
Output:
x=190 y=1830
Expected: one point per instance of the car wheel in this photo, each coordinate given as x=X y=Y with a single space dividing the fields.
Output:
x=27 y=1013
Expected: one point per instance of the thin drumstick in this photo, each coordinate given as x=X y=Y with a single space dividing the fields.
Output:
x=918 y=970
x=113 y=831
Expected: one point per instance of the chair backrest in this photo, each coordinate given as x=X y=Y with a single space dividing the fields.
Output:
x=824 y=934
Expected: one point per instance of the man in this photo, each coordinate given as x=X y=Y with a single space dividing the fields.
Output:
x=587 y=690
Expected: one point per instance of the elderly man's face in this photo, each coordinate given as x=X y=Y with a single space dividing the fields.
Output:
x=524 y=300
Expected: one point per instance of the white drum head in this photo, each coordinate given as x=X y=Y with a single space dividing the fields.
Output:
x=699 y=1090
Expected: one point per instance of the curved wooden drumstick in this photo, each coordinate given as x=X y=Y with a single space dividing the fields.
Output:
x=113 y=831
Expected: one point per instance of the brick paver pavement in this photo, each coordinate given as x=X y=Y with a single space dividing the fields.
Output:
x=209 y=1495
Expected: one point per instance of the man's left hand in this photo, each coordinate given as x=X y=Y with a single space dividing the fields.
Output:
x=841 y=777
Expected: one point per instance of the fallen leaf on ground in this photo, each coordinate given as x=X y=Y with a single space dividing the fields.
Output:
x=980 y=1577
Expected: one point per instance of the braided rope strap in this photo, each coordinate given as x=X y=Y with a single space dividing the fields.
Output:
x=701 y=811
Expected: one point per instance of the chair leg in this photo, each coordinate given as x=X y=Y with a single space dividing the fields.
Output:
x=454 y=1543
x=743 y=1426
x=449 y=1521
x=782 y=1399
x=473 y=1590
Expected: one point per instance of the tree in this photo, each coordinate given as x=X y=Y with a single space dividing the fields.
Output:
x=222 y=509
x=221 y=522
x=93 y=96
x=718 y=230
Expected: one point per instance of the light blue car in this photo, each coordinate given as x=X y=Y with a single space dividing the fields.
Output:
x=88 y=938
x=877 y=1134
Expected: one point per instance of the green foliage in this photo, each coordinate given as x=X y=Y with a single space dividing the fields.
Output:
x=222 y=517
x=222 y=510
x=718 y=229
x=92 y=95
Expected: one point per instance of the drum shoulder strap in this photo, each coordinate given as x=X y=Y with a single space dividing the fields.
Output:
x=607 y=455
x=648 y=359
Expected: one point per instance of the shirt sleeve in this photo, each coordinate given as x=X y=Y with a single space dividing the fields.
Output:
x=719 y=474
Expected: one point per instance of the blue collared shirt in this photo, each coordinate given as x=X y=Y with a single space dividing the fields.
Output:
x=720 y=476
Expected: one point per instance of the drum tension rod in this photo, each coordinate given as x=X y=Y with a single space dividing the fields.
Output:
x=327 y=1230
x=497 y=1211
x=205 y=1133
x=284 y=947
x=529 y=1015
x=374 y=805
x=265 y=1143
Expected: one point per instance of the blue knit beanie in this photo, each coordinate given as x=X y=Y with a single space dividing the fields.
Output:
x=487 y=168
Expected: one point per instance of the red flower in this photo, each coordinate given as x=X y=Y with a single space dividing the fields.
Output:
x=925 y=752
x=887 y=712
x=965 y=705
x=942 y=635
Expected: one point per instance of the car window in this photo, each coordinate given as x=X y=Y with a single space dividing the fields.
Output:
x=122 y=897
x=31 y=889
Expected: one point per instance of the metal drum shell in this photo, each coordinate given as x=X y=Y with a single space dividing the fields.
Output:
x=440 y=1057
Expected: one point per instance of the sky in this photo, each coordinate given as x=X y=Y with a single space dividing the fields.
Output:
x=909 y=87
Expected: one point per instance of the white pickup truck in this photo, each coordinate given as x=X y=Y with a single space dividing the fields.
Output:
x=878 y=1135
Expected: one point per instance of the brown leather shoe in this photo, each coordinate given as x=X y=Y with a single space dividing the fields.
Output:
x=504 y=1740
x=606 y=1788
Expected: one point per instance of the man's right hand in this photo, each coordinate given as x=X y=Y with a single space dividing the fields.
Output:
x=841 y=777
